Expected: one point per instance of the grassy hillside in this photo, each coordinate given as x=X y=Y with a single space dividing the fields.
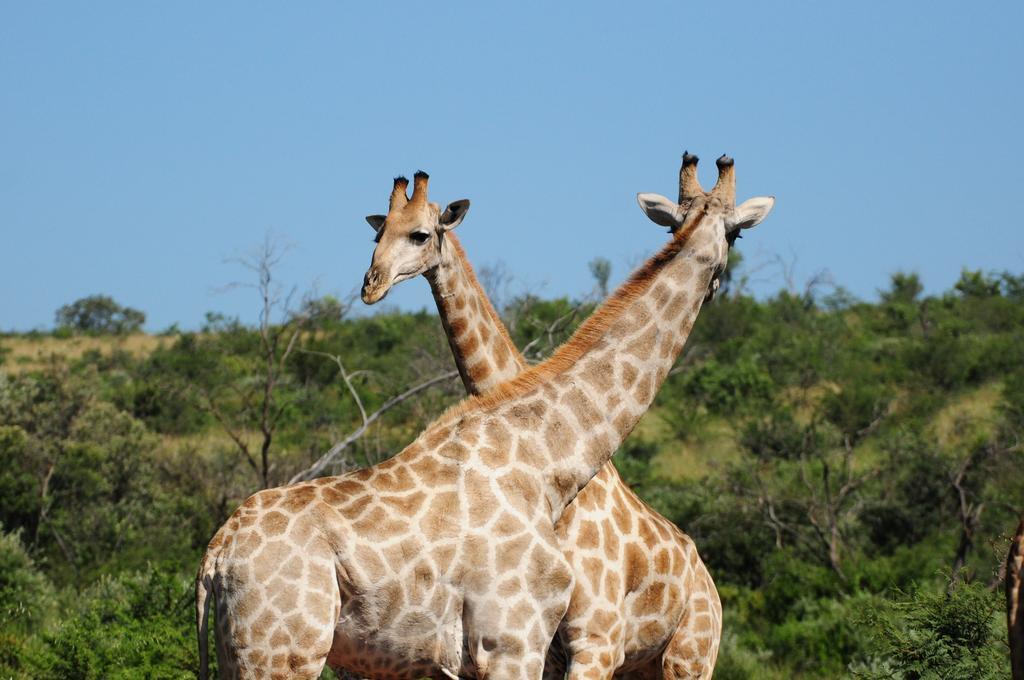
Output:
x=849 y=470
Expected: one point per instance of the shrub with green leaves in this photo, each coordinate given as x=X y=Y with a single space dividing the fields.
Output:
x=938 y=636
x=129 y=626
x=27 y=604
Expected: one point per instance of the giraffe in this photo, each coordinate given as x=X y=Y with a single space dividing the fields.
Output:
x=1015 y=602
x=443 y=561
x=601 y=631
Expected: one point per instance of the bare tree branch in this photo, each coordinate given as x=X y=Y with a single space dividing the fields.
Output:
x=345 y=376
x=332 y=454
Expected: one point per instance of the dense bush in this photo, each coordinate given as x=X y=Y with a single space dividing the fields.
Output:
x=935 y=636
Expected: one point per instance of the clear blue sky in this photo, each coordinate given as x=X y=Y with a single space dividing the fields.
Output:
x=143 y=143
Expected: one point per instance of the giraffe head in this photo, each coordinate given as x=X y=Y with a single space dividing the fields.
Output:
x=409 y=237
x=712 y=211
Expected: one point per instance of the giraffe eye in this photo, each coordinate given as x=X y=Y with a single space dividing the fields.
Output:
x=419 y=237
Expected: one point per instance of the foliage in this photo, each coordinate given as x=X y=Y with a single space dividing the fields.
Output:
x=99 y=314
x=133 y=625
x=27 y=603
x=826 y=456
x=938 y=636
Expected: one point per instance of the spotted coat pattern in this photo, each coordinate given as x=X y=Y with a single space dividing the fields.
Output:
x=642 y=598
x=444 y=560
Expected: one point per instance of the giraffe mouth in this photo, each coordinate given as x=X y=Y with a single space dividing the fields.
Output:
x=403 y=276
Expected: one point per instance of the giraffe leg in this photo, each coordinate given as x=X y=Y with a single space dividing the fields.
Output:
x=593 y=658
x=272 y=628
x=693 y=649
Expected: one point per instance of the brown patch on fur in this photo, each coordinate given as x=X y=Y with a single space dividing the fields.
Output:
x=273 y=523
x=494 y=458
x=586 y=500
x=595 y=492
x=593 y=567
x=520 y=490
x=285 y=598
x=507 y=525
x=482 y=501
x=433 y=438
x=624 y=423
x=678 y=304
x=650 y=601
x=480 y=371
x=503 y=354
x=661 y=295
x=611 y=540
x=527 y=454
x=564 y=483
x=509 y=554
x=356 y=508
x=370 y=563
x=298 y=497
x=443 y=558
x=407 y=505
x=466 y=348
x=497 y=434
x=431 y=471
x=454 y=451
x=516 y=619
x=647 y=533
x=270 y=497
x=292 y=569
x=635 y=566
x=643 y=347
x=651 y=632
x=458 y=326
x=598 y=374
x=628 y=375
x=349 y=487
x=280 y=638
x=611 y=585
x=262 y=624
x=509 y=587
x=332 y=496
x=558 y=436
x=588 y=536
x=370 y=520
x=442 y=516
x=662 y=561
x=583 y=408
x=245 y=545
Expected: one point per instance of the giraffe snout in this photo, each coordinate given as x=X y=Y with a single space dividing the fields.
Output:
x=373 y=290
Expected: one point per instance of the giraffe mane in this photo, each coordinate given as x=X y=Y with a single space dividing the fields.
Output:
x=588 y=333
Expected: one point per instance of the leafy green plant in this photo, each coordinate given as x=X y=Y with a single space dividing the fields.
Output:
x=937 y=636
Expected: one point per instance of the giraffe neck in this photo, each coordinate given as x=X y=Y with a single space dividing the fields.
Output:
x=570 y=413
x=484 y=353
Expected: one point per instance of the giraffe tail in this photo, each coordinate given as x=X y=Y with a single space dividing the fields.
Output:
x=204 y=586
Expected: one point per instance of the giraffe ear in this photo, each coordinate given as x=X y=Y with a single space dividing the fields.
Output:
x=376 y=221
x=750 y=212
x=453 y=214
x=660 y=209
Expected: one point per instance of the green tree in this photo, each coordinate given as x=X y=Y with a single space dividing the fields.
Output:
x=99 y=314
x=601 y=270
